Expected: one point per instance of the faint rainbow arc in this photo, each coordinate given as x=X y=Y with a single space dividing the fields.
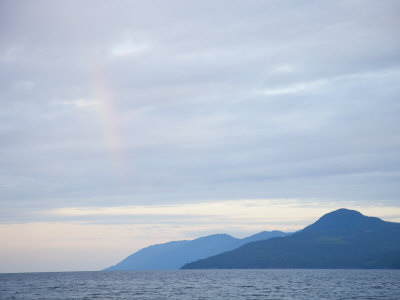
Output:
x=107 y=107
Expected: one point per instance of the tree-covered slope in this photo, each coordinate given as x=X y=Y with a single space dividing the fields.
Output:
x=340 y=239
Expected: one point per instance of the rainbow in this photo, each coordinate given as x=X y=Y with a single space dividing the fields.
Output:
x=107 y=107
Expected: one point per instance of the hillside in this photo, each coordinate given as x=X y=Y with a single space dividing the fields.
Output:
x=340 y=239
x=173 y=255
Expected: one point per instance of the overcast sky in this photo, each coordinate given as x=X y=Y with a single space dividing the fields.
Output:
x=124 y=123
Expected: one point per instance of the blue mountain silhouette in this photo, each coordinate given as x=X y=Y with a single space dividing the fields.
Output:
x=340 y=239
x=173 y=255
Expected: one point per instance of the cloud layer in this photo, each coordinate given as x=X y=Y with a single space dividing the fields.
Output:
x=151 y=103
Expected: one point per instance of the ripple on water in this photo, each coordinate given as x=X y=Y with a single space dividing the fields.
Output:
x=204 y=284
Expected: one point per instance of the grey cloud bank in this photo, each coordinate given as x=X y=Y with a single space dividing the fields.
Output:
x=124 y=103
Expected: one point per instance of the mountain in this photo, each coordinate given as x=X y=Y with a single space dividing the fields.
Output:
x=173 y=255
x=340 y=239
x=263 y=235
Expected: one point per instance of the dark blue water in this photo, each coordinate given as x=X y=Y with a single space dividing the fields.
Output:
x=204 y=284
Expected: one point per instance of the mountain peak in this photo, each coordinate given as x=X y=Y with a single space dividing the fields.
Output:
x=342 y=214
x=341 y=219
x=344 y=211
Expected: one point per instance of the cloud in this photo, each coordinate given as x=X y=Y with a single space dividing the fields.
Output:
x=129 y=48
x=24 y=85
x=252 y=211
x=263 y=100
x=80 y=103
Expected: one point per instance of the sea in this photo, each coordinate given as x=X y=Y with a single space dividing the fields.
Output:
x=204 y=284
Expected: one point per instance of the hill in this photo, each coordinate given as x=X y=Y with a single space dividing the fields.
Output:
x=340 y=239
x=173 y=255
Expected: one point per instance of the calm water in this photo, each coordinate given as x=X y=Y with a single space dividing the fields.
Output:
x=202 y=284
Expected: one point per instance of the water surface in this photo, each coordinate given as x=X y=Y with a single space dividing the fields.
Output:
x=204 y=284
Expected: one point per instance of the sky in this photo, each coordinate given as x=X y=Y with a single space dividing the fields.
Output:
x=129 y=123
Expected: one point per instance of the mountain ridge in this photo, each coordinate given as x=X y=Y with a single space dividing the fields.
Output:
x=173 y=255
x=340 y=239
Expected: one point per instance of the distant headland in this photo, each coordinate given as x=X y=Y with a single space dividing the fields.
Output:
x=341 y=239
